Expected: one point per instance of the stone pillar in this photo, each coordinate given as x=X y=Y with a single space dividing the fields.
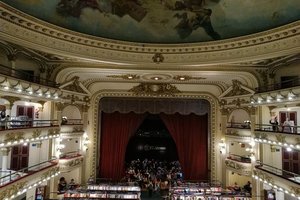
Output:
x=53 y=187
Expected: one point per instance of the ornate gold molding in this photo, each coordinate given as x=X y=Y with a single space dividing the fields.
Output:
x=36 y=133
x=53 y=131
x=12 y=190
x=150 y=89
x=24 y=27
x=14 y=136
x=280 y=138
x=187 y=78
x=126 y=76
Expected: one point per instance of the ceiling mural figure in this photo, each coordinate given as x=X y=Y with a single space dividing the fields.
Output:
x=163 y=21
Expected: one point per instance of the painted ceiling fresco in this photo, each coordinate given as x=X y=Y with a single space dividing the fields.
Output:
x=163 y=21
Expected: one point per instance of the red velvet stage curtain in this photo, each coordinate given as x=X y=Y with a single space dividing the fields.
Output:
x=190 y=135
x=116 y=130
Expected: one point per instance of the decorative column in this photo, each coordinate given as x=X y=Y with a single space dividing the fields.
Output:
x=85 y=122
x=223 y=127
x=4 y=154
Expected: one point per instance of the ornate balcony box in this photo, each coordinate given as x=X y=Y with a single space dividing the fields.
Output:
x=242 y=168
x=70 y=163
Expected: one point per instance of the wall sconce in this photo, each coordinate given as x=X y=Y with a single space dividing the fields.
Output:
x=86 y=142
x=222 y=147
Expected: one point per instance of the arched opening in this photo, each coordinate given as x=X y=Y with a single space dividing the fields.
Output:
x=186 y=120
x=152 y=140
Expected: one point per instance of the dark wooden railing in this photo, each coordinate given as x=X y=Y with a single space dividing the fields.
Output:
x=279 y=172
x=19 y=74
x=278 y=86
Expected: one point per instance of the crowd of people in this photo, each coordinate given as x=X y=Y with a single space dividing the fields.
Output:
x=154 y=175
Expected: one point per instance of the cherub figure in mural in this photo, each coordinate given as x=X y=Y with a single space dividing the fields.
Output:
x=190 y=22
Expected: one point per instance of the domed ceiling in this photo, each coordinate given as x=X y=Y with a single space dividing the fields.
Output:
x=163 y=21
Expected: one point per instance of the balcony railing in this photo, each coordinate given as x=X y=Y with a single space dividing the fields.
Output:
x=279 y=172
x=18 y=74
x=244 y=125
x=238 y=158
x=72 y=122
x=278 y=128
x=278 y=86
x=17 y=124
x=69 y=155
x=9 y=176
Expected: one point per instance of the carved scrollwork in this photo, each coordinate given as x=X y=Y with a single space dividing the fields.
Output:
x=12 y=190
x=13 y=136
x=36 y=133
x=154 y=89
x=280 y=138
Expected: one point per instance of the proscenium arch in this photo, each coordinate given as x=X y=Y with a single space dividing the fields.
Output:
x=212 y=127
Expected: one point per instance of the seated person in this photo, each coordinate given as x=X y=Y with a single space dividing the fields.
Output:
x=62 y=185
x=248 y=187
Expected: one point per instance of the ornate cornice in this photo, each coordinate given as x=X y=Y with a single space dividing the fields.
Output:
x=24 y=28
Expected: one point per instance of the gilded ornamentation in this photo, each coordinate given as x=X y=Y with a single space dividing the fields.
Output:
x=295 y=190
x=11 y=100
x=125 y=76
x=12 y=190
x=85 y=108
x=60 y=106
x=239 y=167
x=42 y=103
x=225 y=111
x=261 y=135
x=237 y=102
x=77 y=129
x=237 y=89
x=49 y=172
x=158 y=58
x=36 y=133
x=13 y=136
x=187 y=78
x=264 y=76
x=280 y=138
x=75 y=86
x=154 y=89
x=53 y=131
